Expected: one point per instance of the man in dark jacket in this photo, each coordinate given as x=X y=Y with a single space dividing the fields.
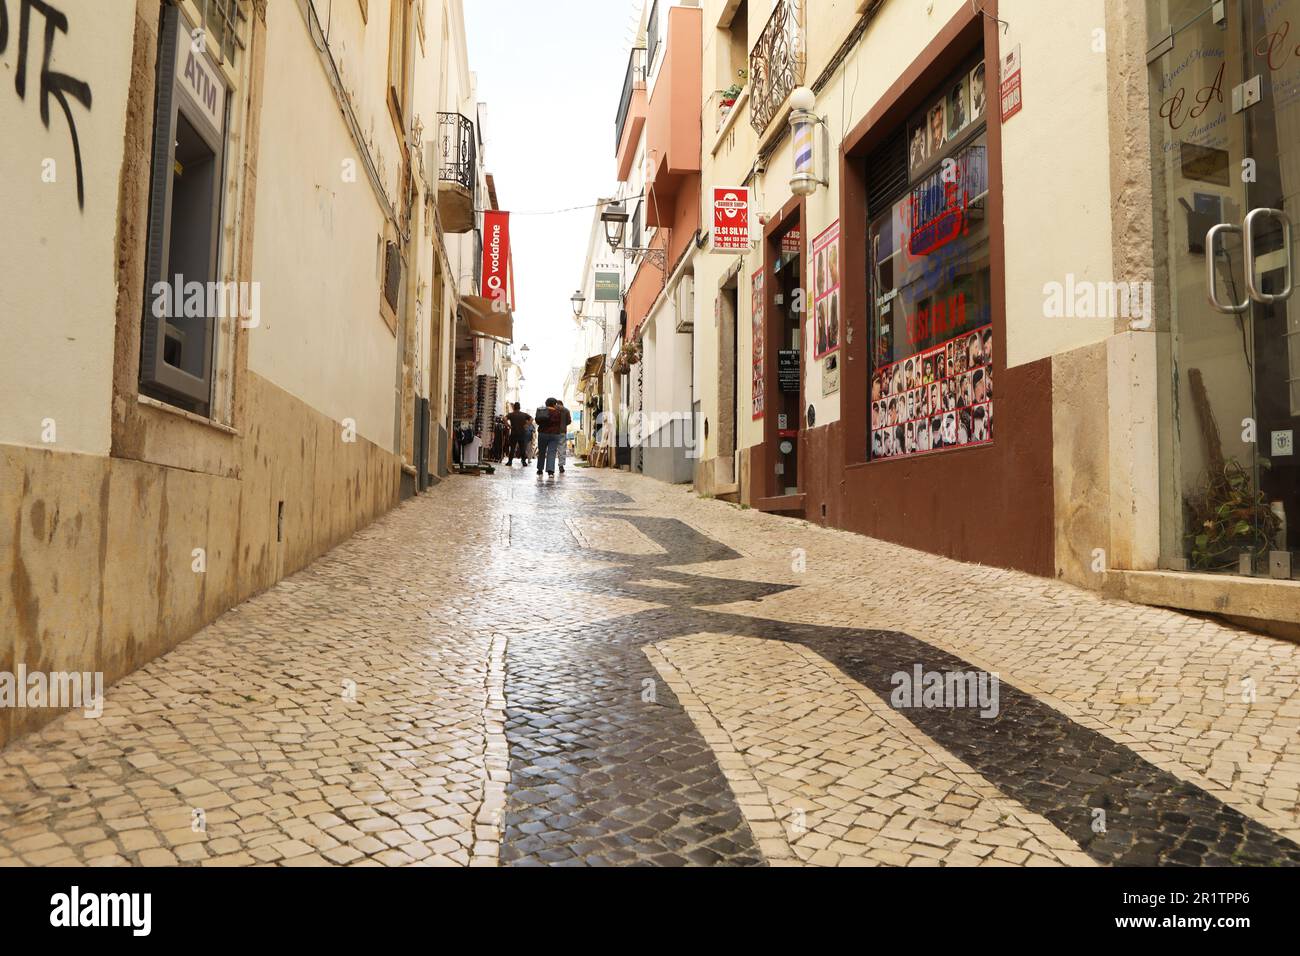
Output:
x=550 y=432
x=518 y=420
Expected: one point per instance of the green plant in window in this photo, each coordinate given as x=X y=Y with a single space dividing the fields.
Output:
x=1230 y=516
x=732 y=93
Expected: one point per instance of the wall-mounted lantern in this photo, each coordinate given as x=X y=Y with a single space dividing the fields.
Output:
x=615 y=218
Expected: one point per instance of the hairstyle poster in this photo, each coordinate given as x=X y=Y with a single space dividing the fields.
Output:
x=937 y=399
x=826 y=292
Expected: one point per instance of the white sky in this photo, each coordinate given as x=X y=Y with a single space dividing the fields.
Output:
x=551 y=75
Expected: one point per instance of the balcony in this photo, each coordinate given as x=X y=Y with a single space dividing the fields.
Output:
x=673 y=134
x=631 y=113
x=457 y=172
x=776 y=65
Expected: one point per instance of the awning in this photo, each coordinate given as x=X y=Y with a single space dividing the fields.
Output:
x=486 y=321
x=594 y=368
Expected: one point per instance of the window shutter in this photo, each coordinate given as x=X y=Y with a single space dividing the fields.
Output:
x=887 y=174
x=151 y=328
x=392 y=275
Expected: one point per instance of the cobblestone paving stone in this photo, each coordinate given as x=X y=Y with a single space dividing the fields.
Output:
x=599 y=669
x=345 y=717
x=830 y=775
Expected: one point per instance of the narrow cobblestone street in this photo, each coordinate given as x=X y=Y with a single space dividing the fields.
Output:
x=609 y=670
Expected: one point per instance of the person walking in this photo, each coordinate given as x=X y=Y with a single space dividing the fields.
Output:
x=550 y=432
x=562 y=457
x=518 y=421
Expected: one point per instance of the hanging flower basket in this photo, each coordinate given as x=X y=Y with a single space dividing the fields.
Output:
x=629 y=354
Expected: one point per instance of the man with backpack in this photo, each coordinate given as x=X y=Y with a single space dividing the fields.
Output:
x=551 y=429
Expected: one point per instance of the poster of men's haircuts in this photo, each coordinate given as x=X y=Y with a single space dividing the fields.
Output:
x=760 y=355
x=826 y=292
x=939 y=398
x=977 y=93
x=957 y=107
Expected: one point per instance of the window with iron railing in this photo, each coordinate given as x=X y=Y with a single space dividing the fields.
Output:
x=776 y=64
x=633 y=81
x=457 y=151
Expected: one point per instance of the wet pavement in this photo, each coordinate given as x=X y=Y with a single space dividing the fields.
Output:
x=598 y=669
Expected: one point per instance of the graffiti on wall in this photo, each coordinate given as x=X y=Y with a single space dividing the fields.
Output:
x=58 y=86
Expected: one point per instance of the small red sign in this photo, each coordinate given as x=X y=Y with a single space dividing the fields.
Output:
x=1012 y=98
x=731 y=219
x=1011 y=93
x=496 y=256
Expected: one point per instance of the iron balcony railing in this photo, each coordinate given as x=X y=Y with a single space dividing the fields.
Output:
x=457 y=151
x=635 y=80
x=777 y=62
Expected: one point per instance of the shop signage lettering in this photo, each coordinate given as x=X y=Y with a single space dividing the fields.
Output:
x=496 y=255
x=787 y=371
x=1012 y=93
x=731 y=219
x=1171 y=110
x=939 y=209
x=938 y=212
x=608 y=287
x=199 y=78
x=944 y=316
x=1276 y=48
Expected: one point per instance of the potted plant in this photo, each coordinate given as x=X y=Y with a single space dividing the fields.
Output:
x=1230 y=519
x=727 y=98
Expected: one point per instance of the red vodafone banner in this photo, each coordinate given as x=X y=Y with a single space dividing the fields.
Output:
x=496 y=257
x=731 y=219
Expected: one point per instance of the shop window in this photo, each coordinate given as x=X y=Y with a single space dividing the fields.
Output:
x=178 y=331
x=931 y=385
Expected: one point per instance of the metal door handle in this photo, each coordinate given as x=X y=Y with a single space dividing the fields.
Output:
x=1248 y=244
x=1212 y=276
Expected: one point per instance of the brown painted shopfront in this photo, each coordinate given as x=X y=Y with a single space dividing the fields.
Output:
x=991 y=503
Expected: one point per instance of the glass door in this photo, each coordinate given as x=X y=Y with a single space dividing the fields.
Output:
x=789 y=373
x=1225 y=121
